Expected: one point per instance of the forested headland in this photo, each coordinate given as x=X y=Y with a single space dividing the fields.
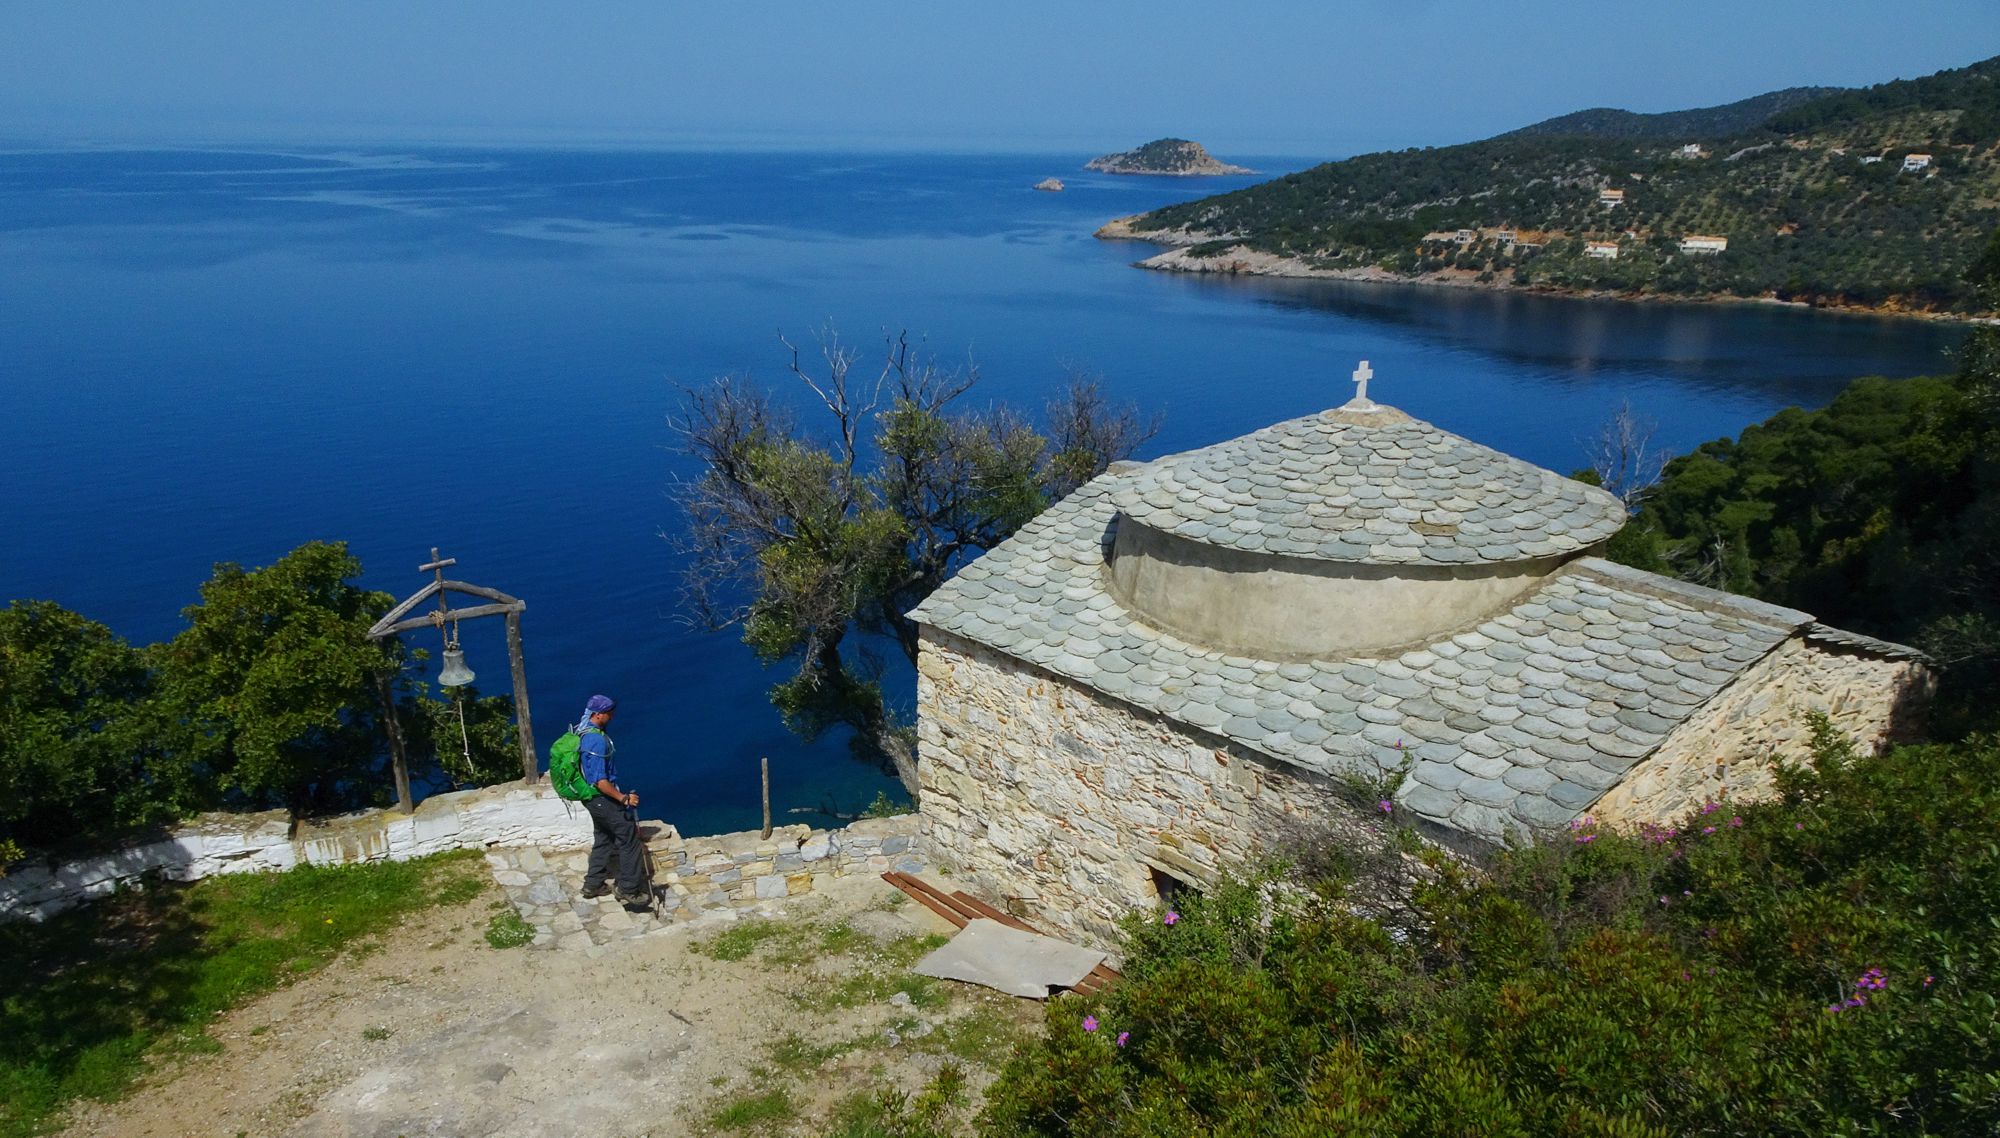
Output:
x=1878 y=198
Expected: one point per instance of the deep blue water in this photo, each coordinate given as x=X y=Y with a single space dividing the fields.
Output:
x=210 y=356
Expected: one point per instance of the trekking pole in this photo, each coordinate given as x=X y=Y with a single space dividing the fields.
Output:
x=645 y=855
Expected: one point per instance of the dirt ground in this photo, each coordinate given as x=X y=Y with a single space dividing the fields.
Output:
x=432 y=1031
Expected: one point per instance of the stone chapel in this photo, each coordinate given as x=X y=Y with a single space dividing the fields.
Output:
x=1186 y=658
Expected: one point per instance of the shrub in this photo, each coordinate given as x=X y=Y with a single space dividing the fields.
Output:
x=508 y=930
x=1823 y=964
x=70 y=749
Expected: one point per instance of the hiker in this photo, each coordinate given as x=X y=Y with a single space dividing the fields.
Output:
x=612 y=817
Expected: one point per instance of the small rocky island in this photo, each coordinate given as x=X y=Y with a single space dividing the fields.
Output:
x=1051 y=185
x=1174 y=156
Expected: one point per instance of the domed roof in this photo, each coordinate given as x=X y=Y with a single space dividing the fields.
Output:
x=1367 y=483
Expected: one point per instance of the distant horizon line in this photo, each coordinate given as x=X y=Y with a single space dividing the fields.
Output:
x=17 y=142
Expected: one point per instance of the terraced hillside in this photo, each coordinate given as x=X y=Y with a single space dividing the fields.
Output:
x=1830 y=200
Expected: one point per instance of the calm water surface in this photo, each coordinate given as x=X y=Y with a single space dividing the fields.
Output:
x=210 y=356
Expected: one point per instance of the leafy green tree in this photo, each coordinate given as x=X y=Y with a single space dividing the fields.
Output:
x=481 y=749
x=801 y=538
x=270 y=690
x=72 y=759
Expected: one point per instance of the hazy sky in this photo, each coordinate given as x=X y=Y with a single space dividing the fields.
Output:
x=1312 y=78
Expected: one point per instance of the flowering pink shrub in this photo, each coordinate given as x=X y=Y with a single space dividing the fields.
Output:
x=1825 y=964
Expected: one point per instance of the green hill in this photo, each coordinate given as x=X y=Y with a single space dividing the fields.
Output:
x=1814 y=201
x=1675 y=126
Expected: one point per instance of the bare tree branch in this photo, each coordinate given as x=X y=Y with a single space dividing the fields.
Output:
x=1623 y=454
x=800 y=540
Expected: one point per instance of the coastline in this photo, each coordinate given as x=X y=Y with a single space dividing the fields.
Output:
x=1225 y=171
x=1242 y=261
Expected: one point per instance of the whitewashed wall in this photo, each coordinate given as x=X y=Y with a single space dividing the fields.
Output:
x=494 y=816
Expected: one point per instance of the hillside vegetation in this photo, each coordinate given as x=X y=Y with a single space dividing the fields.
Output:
x=1676 y=126
x=1814 y=201
x=1878 y=513
x=1819 y=965
x=1164 y=156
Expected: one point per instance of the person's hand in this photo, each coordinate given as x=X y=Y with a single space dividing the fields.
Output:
x=632 y=799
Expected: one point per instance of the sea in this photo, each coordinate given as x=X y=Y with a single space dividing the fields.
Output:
x=216 y=354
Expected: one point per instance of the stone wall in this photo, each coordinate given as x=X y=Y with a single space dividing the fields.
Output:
x=1068 y=805
x=712 y=879
x=1724 y=749
x=507 y=815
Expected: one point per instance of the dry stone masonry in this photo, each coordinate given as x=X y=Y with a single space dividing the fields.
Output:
x=535 y=842
x=1166 y=669
x=713 y=879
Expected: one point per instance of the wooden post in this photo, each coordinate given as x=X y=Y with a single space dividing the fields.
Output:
x=767 y=796
x=398 y=761
x=530 y=767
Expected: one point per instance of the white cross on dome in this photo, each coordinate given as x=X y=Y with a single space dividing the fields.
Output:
x=1361 y=402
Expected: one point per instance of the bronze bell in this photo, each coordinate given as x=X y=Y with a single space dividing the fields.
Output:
x=454 y=674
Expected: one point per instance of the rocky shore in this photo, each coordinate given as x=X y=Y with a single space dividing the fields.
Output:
x=1240 y=260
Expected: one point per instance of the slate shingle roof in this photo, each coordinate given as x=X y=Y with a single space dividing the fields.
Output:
x=1523 y=720
x=1368 y=486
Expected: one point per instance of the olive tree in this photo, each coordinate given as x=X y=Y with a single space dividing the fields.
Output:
x=801 y=535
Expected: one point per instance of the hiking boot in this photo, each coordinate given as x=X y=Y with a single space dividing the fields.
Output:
x=635 y=900
x=593 y=892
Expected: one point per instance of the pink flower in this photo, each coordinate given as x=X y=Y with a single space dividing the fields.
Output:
x=1736 y=821
x=1927 y=980
x=1171 y=917
x=1585 y=839
x=1708 y=829
x=1798 y=825
x=1123 y=1036
x=1090 y=1023
x=1385 y=806
x=1663 y=898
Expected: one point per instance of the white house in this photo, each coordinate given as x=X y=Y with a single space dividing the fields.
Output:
x=1914 y=162
x=1611 y=199
x=1465 y=236
x=1692 y=150
x=1699 y=243
x=1870 y=159
x=1506 y=237
x=1602 y=250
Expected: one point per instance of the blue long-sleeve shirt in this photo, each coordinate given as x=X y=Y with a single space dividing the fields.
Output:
x=595 y=751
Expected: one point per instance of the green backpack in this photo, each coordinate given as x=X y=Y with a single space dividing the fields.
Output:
x=566 y=768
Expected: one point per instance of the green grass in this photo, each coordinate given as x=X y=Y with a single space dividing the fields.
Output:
x=508 y=930
x=871 y=988
x=88 y=997
x=907 y=950
x=981 y=1037
x=796 y=1054
x=740 y=939
x=748 y=1110
x=888 y=1113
